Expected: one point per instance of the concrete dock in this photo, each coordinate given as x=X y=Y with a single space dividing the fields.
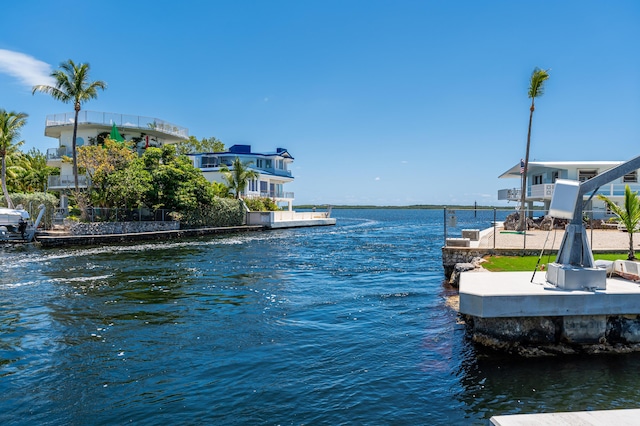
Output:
x=584 y=418
x=512 y=294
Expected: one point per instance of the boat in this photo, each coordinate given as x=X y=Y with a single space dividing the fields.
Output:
x=16 y=224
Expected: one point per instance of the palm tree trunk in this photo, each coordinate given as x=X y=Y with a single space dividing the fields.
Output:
x=632 y=255
x=73 y=147
x=523 y=194
x=4 y=183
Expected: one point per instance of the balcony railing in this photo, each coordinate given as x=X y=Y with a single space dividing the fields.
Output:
x=58 y=153
x=272 y=194
x=66 y=181
x=545 y=191
x=121 y=120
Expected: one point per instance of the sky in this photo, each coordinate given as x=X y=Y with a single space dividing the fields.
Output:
x=380 y=102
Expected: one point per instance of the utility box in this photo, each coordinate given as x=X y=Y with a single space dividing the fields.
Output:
x=564 y=199
x=472 y=234
x=458 y=242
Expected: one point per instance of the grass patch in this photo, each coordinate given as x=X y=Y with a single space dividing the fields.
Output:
x=528 y=263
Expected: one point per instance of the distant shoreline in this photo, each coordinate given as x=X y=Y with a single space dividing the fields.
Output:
x=412 y=207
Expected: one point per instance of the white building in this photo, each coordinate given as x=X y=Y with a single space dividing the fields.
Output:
x=145 y=131
x=542 y=175
x=272 y=168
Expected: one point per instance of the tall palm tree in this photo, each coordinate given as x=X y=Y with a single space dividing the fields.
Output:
x=536 y=89
x=238 y=176
x=10 y=125
x=72 y=85
x=629 y=215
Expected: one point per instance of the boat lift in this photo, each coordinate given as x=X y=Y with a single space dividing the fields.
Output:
x=15 y=224
x=574 y=268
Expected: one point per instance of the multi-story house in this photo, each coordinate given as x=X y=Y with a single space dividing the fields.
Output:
x=92 y=125
x=272 y=168
x=542 y=175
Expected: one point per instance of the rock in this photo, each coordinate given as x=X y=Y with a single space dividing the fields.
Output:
x=454 y=280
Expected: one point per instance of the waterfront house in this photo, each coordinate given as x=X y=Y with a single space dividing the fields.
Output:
x=542 y=175
x=272 y=168
x=94 y=125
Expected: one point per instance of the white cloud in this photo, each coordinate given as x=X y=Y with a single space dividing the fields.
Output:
x=25 y=68
x=377 y=178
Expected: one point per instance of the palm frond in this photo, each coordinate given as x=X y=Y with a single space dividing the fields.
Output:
x=536 y=85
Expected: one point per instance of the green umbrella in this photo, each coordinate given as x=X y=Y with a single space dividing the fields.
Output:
x=115 y=134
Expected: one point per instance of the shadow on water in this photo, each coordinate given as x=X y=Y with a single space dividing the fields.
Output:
x=495 y=383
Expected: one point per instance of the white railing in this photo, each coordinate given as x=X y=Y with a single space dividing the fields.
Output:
x=66 y=181
x=120 y=120
x=544 y=190
x=58 y=153
x=512 y=194
x=277 y=194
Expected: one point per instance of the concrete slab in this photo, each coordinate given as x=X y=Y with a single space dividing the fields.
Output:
x=512 y=294
x=601 y=418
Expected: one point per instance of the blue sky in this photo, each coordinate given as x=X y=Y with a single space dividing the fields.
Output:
x=380 y=102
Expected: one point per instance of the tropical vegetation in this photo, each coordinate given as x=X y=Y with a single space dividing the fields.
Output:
x=10 y=125
x=72 y=85
x=536 y=89
x=238 y=176
x=159 y=179
x=629 y=215
x=193 y=145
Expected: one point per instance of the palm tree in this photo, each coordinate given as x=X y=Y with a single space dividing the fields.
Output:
x=10 y=125
x=536 y=89
x=72 y=85
x=629 y=215
x=238 y=176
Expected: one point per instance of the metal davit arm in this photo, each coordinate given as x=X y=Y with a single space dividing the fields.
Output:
x=574 y=249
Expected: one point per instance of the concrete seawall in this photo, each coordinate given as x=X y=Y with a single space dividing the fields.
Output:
x=77 y=240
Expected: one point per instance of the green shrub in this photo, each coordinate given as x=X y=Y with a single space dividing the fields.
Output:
x=221 y=212
x=261 y=204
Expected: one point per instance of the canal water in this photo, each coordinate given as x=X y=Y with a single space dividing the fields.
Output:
x=333 y=325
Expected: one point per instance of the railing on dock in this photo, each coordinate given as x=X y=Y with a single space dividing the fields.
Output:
x=460 y=224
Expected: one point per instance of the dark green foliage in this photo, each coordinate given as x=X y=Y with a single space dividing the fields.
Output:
x=220 y=212
x=261 y=204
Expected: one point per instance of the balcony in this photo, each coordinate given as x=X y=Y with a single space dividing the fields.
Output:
x=278 y=195
x=58 y=153
x=57 y=182
x=545 y=191
x=512 y=194
x=107 y=119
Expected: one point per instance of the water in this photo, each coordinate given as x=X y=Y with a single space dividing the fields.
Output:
x=338 y=325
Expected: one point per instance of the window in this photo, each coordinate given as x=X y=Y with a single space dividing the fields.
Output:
x=537 y=179
x=209 y=161
x=631 y=177
x=584 y=175
x=268 y=164
x=259 y=163
x=555 y=176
